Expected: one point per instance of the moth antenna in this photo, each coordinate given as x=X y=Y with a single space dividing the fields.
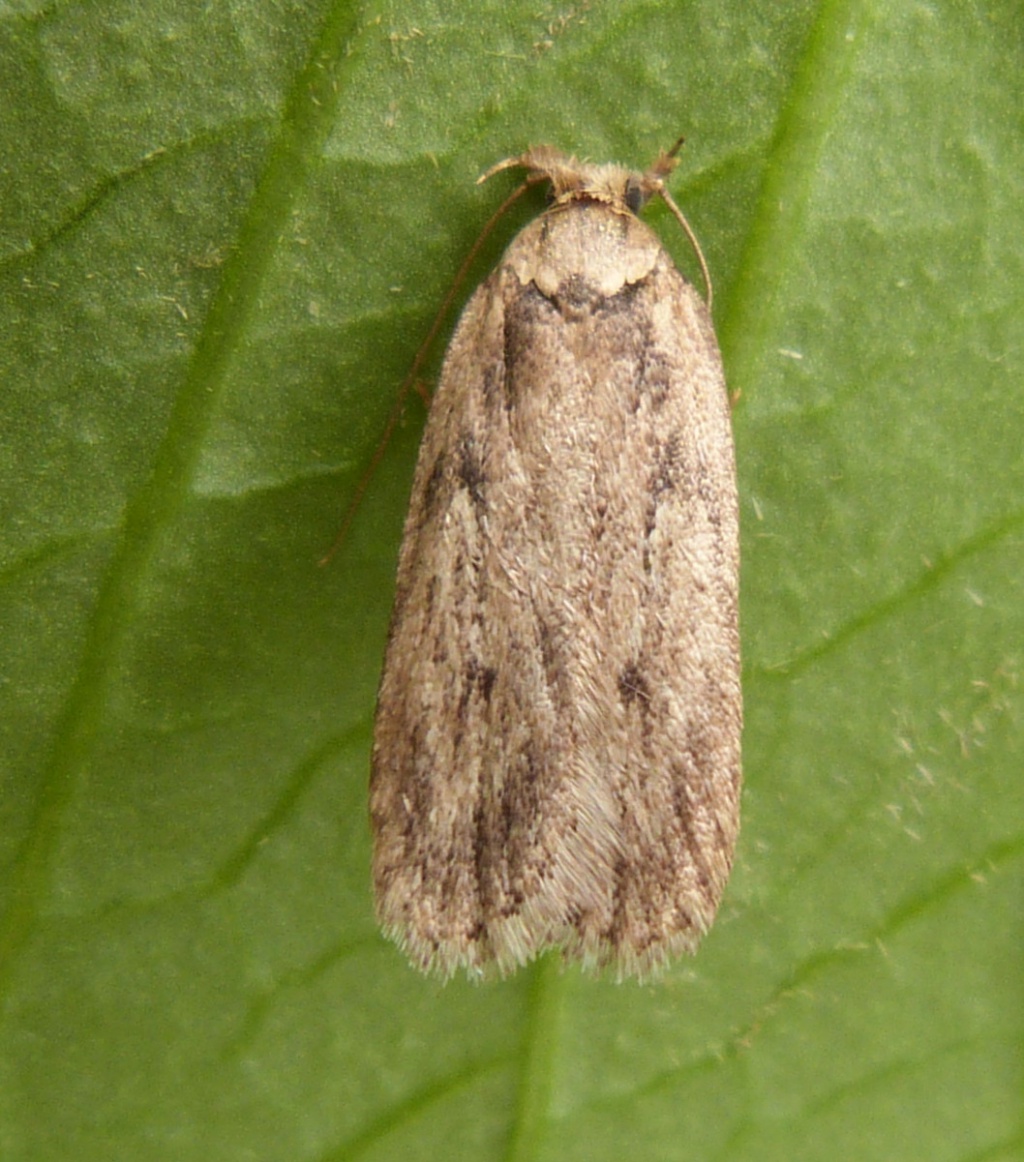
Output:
x=688 y=230
x=418 y=360
x=655 y=178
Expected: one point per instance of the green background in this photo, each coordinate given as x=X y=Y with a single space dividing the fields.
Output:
x=224 y=230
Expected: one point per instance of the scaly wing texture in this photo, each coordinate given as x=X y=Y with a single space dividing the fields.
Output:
x=556 y=759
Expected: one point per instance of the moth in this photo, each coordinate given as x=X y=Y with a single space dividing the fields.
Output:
x=556 y=758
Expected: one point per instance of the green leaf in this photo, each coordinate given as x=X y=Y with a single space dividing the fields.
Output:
x=224 y=231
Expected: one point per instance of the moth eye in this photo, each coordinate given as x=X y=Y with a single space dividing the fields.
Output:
x=634 y=196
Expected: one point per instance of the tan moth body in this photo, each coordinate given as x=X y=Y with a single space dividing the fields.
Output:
x=556 y=760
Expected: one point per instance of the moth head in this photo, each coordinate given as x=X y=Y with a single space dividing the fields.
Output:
x=626 y=191
x=572 y=180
